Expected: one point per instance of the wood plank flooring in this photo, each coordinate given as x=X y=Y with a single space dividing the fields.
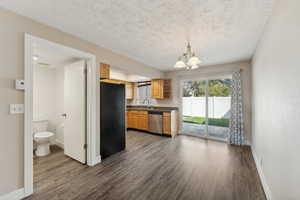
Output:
x=152 y=167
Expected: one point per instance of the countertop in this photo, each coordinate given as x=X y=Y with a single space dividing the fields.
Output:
x=151 y=108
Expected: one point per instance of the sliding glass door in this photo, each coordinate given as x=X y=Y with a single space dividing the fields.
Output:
x=194 y=108
x=206 y=108
x=218 y=102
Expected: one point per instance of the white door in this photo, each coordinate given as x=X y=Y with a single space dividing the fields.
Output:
x=75 y=110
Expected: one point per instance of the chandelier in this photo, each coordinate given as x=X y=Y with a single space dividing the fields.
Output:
x=188 y=60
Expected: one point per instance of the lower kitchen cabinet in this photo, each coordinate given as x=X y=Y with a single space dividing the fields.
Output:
x=142 y=120
x=137 y=119
x=167 y=123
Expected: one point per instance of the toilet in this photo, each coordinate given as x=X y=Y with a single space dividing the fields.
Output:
x=42 y=137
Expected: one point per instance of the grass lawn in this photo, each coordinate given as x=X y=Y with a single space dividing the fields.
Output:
x=211 y=121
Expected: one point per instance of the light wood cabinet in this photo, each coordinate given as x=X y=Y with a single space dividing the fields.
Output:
x=161 y=88
x=155 y=88
x=130 y=119
x=142 y=120
x=104 y=71
x=137 y=119
x=167 y=123
x=129 y=90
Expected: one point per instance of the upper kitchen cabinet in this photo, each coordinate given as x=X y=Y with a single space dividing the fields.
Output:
x=161 y=88
x=129 y=90
x=104 y=71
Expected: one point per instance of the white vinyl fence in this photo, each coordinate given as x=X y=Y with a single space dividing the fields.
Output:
x=218 y=107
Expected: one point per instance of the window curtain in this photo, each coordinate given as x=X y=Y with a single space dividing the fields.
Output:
x=237 y=134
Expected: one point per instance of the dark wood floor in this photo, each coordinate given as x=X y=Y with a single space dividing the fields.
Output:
x=153 y=167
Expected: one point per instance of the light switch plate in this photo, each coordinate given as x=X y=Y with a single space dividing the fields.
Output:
x=16 y=108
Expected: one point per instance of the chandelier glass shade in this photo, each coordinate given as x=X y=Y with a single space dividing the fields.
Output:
x=188 y=60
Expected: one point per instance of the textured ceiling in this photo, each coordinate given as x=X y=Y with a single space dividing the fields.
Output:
x=155 y=32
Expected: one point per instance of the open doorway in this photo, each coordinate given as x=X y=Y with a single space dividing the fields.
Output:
x=60 y=106
x=206 y=108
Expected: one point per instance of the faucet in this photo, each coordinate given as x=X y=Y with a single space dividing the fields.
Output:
x=148 y=102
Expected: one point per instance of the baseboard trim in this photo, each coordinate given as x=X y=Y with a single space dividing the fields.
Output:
x=59 y=143
x=262 y=176
x=98 y=160
x=95 y=161
x=248 y=143
x=14 y=195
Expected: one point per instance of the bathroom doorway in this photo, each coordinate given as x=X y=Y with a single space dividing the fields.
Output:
x=60 y=105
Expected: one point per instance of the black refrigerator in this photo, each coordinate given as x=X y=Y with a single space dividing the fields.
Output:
x=112 y=119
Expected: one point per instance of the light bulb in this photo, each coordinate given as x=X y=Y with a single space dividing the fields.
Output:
x=35 y=58
x=180 y=64
x=194 y=61
x=194 y=66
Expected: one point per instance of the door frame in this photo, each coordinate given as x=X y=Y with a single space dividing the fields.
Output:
x=91 y=117
x=206 y=79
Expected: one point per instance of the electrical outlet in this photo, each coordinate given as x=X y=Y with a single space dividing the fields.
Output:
x=16 y=108
x=20 y=84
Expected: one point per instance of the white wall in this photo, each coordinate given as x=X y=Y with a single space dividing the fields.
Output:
x=118 y=74
x=134 y=77
x=43 y=93
x=48 y=99
x=214 y=71
x=276 y=101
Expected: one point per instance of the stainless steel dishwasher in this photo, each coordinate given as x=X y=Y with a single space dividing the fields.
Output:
x=155 y=122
